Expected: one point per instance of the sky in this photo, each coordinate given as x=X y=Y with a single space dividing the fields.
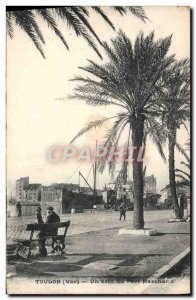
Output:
x=36 y=120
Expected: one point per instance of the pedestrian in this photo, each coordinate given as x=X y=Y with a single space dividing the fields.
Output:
x=182 y=203
x=123 y=210
x=19 y=209
x=39 y=216
x=52 y=217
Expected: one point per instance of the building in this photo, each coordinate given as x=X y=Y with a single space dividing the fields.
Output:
x=51 y=193
x=54 y=193
x=66 y=197
x=71 y=187
x=21 y=184
x=32 y=192
x=29 y=195
x=62 y=196
x=26 y=191
x=150 y=184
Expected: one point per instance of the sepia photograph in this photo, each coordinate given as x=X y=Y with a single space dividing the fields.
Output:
x=98 y=150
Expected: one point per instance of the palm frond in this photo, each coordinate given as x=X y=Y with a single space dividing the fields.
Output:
x=183 y=172
x=91 y=125
x=46 y=15
x=77 y=11
x=100 y=11
x=99 y=88
x=185 y=164
x=178 y=184
x=182 y=151
x=112 y=138
x=9 y=25
x=156 y=133
x=77 y=18
x=120 y=9
x=26 y=21
x=182 y=177
x=137 y=11
x=74 y=22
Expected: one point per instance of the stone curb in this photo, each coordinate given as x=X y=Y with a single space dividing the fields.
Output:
x=166 y=268
x=148 y=232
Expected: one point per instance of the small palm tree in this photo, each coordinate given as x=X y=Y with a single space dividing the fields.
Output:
x=130 y=81
x=76 y=17
x=175 y=101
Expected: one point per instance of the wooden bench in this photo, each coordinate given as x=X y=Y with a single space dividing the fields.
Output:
x=47 y=232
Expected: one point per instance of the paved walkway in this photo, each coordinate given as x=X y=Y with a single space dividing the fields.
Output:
x=105 y=256
x=82 y=222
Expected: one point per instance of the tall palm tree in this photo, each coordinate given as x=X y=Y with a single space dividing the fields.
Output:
x=76 y=17
x=130 y=81
x=175 y=101
x=184 y=175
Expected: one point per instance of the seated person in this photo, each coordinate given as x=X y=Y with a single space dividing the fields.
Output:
x=52 y=217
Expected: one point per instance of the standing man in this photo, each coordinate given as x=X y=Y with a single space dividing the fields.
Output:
x=182 y=203
x=19 y=209
x=39 y=216
x=123 y=210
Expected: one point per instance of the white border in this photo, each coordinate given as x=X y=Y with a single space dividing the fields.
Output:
x=3 y=4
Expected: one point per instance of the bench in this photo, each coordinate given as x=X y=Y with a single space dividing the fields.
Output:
x=47 y=229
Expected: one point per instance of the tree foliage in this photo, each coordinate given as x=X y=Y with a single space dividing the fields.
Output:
x=77 y=18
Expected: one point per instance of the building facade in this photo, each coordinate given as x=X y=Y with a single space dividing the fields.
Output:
x=150 y=184
x=21 y=184
x=26 y=191
x=32 y=192
x=51 y=193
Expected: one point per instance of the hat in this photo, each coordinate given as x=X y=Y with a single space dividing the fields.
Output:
x=50 y=208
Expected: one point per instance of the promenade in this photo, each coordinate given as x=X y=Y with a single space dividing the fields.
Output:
x=83 y=222
x=96 y=252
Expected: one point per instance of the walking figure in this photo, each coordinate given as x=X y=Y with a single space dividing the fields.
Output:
x=123 y=210
x=19 y=210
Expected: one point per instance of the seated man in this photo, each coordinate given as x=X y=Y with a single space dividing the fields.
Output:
x=52 y=217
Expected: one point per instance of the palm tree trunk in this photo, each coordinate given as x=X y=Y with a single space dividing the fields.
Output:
x=172 y=180
x=137 y=139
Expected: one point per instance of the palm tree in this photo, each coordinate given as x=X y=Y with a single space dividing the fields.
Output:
x=175 y=101
x=184 y=175
x=130 y=81
x=76 y=17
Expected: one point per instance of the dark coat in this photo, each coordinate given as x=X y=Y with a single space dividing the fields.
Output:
x=123 y=208
x=53 y=218
x=39 y=218
x=18 y=206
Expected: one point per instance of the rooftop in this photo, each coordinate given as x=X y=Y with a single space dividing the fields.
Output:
x=32 y=186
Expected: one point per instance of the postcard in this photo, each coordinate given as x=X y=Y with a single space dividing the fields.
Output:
x=98 y=150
